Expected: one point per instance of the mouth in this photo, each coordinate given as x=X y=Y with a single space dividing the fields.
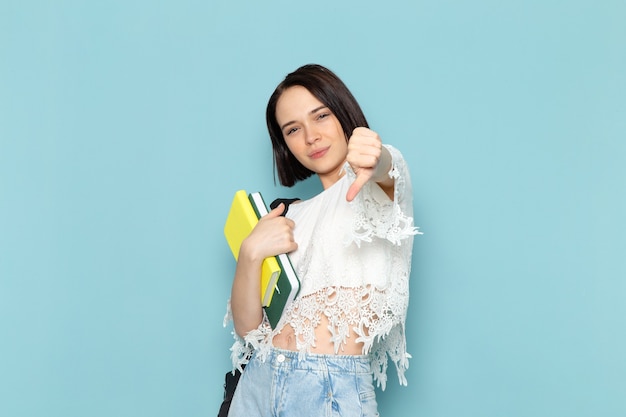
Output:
x=318 y=153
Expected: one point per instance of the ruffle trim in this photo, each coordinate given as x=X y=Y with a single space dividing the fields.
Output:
x=370 y=220
x=389 y=345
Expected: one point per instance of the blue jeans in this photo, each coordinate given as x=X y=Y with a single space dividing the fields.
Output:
x=318 y=386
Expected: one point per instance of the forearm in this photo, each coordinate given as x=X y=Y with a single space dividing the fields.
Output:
x=272 y=235
x=245 y=300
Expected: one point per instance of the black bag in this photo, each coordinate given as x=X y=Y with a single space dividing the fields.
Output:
x=230 y=383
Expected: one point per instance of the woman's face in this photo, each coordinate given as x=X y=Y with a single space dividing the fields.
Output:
x=312 y=133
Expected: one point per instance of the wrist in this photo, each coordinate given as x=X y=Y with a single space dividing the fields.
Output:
x=381 y=172
x=249 y=254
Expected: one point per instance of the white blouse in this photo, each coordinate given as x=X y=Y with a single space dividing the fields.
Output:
x=353 y=261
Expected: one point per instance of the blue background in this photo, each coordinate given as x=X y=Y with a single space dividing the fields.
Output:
x=126 y=127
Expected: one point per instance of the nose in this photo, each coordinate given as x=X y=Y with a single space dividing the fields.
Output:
x=312 y=135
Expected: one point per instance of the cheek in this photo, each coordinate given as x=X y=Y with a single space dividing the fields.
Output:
x=299 y=150
x=295 y=148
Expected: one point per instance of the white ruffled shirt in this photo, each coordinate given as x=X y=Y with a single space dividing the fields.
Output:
x=353 y=261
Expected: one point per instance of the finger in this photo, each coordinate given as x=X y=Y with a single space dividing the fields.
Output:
x=363 y=155
x=290 y=223
x=292 y=246
x=364 y=131
x=356 y=186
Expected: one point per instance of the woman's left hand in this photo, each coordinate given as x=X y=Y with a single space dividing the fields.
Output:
x=366 y=155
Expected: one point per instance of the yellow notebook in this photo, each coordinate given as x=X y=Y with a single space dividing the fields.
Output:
x=240 y=221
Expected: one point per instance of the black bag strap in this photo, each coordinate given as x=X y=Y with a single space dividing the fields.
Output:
x=230 y=383
x=287 y=202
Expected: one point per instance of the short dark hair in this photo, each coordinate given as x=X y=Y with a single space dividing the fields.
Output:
x=333 y=93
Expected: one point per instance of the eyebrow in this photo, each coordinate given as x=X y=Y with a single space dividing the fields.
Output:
x=315 y=110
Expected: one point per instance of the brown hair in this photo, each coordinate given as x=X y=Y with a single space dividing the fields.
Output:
x=333 y=93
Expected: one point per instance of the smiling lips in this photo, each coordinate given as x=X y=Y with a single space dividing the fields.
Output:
x=318 y=153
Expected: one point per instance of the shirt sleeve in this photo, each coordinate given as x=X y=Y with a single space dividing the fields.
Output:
x=378 y=216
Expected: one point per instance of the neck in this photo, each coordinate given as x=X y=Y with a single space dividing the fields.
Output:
x=330 y=178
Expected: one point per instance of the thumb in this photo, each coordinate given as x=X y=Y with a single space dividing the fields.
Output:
x=355 y=188
x=276 y=212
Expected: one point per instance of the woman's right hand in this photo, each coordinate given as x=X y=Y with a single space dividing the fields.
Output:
x=271 y=236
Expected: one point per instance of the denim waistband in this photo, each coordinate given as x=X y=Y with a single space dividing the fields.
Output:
x=281 y=358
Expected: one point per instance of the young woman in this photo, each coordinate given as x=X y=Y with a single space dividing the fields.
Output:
x=351 y=246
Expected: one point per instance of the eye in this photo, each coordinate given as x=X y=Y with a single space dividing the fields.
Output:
x=323 y=116
x=290 y=131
